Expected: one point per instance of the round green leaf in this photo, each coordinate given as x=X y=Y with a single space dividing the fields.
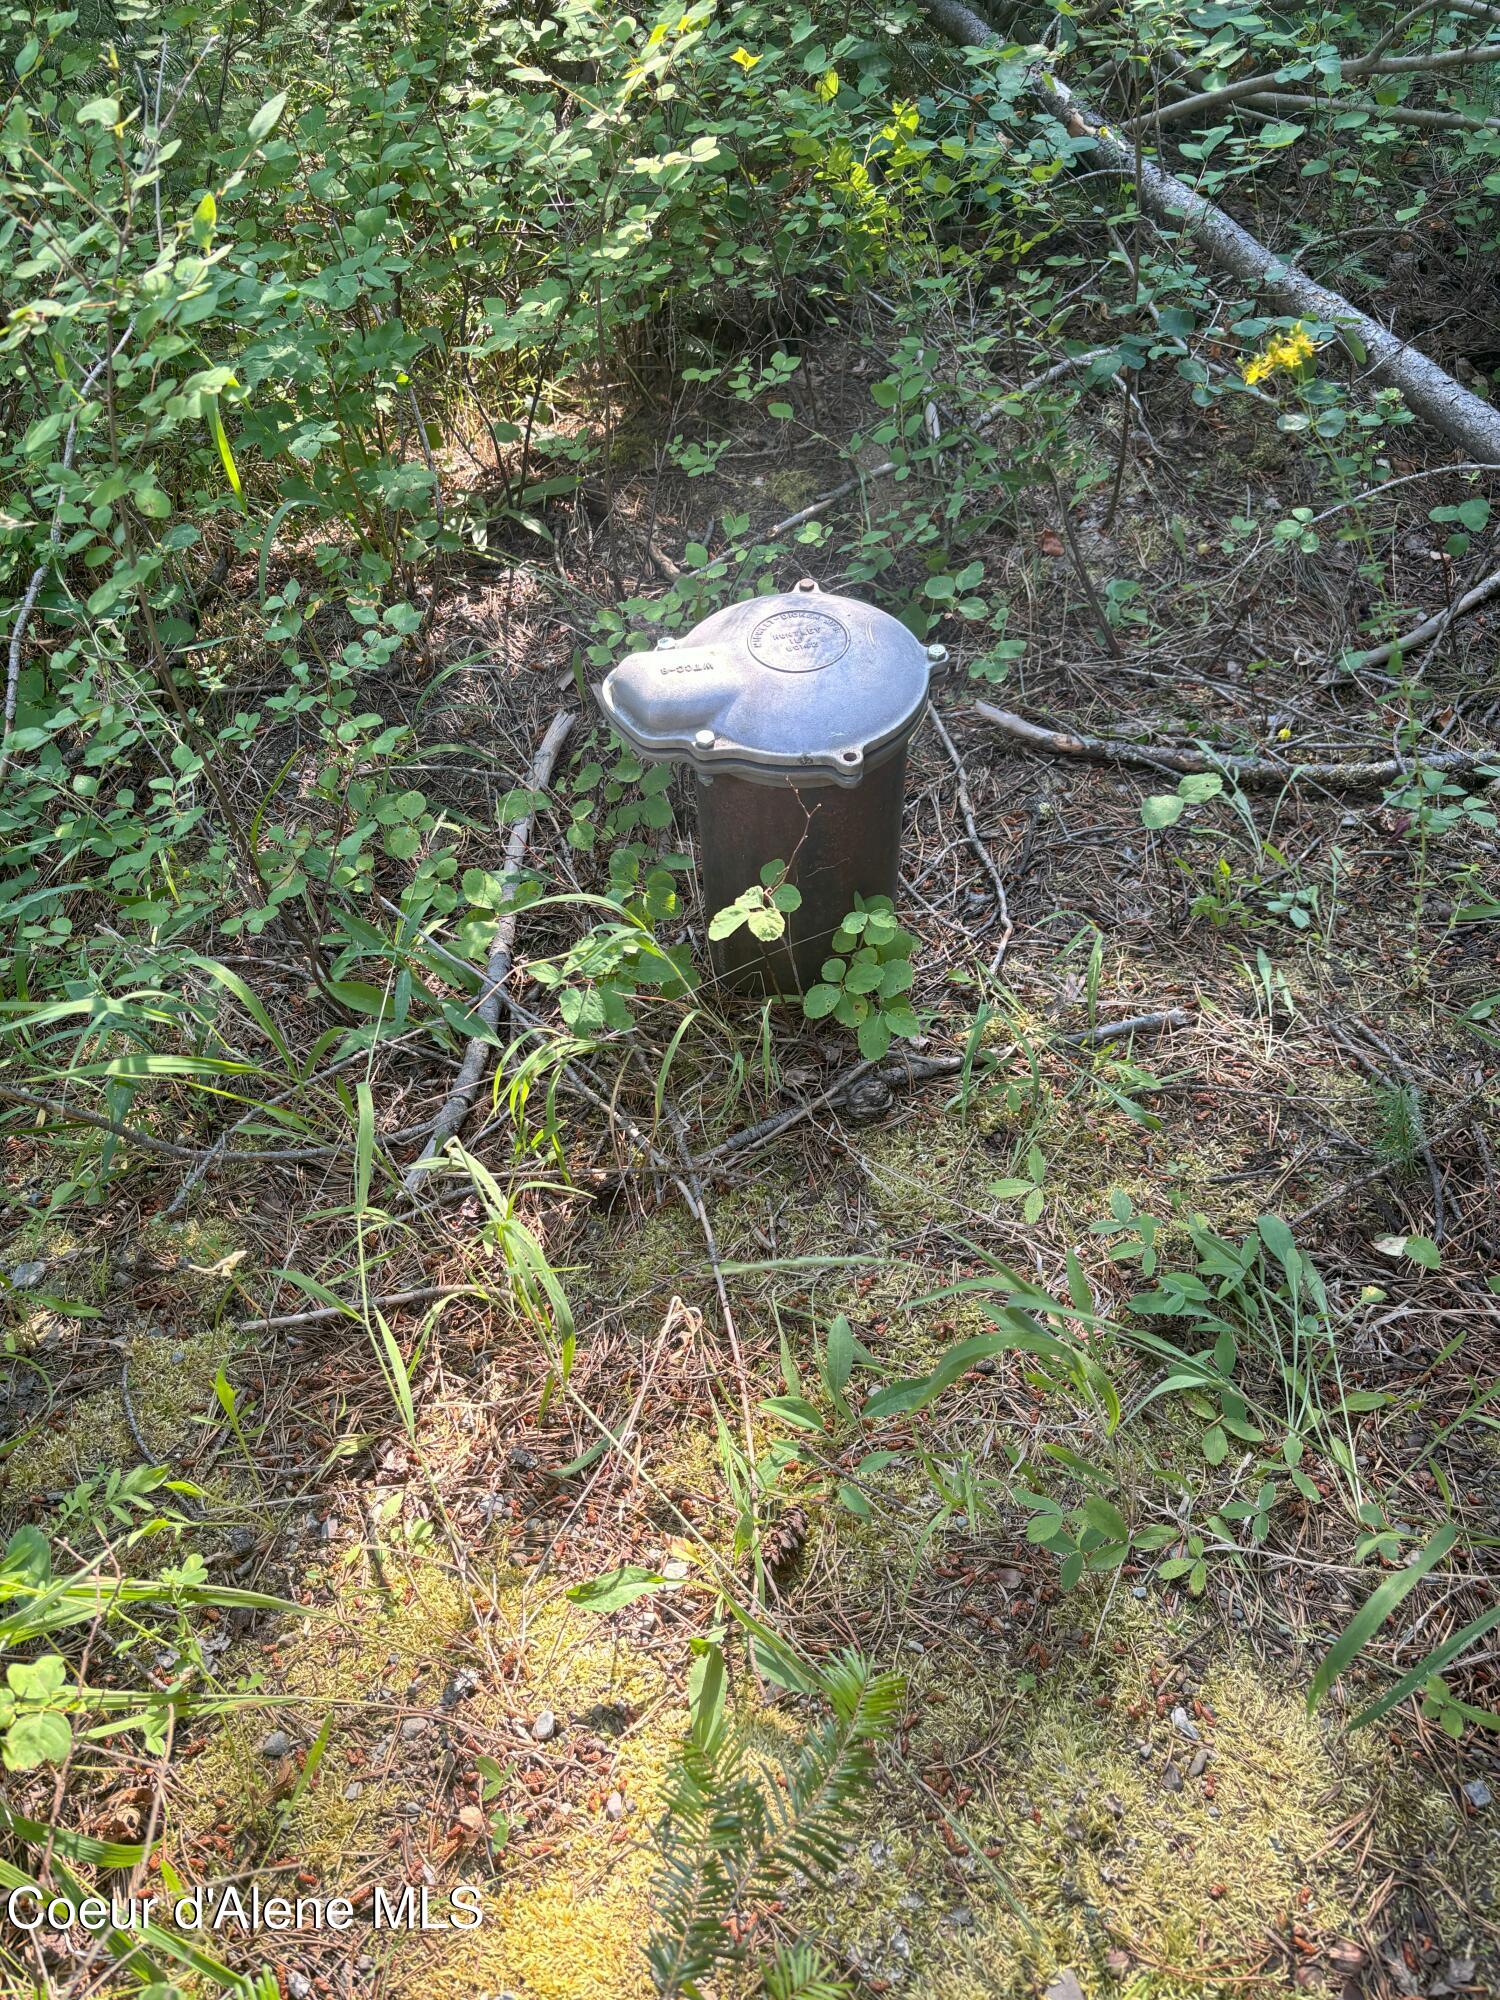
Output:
x=37 y=1739
x=874 y=1037
x=1162 y=809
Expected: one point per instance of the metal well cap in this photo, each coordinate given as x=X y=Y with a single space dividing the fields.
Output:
x=802 y=686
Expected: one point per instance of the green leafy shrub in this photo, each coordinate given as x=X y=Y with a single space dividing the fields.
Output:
x=865 y=983
x=762 y=909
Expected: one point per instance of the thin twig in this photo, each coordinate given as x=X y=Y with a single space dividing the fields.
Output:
x=315 y=1316
x=218 y=1151
x=1209 y=101
x=131 y=1421
x=1096 y=604
x=1134 y=1024
x=971 y=827
x=908 y=1070
x=71 y=1114
x=1382 y=1167
x=1420 y=636
x=1069 y=364
x=476 y=1056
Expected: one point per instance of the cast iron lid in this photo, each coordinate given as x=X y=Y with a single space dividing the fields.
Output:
x=800 y=686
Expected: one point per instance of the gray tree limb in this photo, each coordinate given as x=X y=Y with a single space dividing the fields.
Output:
x=1429 y=390
x=460 y=1100
x=1208 y=101
x=1245 y=771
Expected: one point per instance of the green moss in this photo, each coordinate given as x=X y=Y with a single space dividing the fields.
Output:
x=557 y=1938
x=571 y=1921
x=927 y=1169
x=568 y=1914
x=171 y=1382
x=1023 y=1824
x=1073 y=1848
x=791 y=489
x=326 y=1666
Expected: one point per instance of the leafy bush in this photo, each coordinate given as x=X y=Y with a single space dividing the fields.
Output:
x=865 y=983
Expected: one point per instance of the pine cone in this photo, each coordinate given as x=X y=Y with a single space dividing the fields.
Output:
x=782 y=1543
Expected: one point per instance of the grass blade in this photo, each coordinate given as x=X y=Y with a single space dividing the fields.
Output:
x=1373 y=1613
x=226 y=455
x=364 y=1147
x=1434 y=1663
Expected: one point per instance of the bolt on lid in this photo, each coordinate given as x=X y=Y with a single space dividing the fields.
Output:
x=801 y=687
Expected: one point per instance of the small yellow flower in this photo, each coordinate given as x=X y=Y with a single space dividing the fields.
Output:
x=1286 y=353
x=744 y=58
x=1283 y=736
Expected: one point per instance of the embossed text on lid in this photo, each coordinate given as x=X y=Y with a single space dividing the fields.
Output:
x=799 y=642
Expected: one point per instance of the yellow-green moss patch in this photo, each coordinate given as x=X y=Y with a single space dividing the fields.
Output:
x=171 y=1382
x=1085 y=1839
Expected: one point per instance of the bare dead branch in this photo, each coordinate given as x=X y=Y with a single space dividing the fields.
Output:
x=1429 y=390
x=1247 y=771
x=460 y=1099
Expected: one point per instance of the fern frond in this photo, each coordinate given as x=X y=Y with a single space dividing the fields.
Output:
x=799 y=1974
x=833 y=1766
x=729 y=1836
x=713 y=1812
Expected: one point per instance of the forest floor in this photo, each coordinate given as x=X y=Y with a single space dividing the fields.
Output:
x=1116 y=1789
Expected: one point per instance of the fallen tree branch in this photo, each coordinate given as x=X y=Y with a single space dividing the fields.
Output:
x=1280 y=101
x=1246 y=771
x=913 y=1069
x=1389 y=485
x=1429 y=390
x=476 y=1056
x=202 y=1157
x=1422 y=635
x=317 y=1315
x=1206 y=102
x=72 y=1115
x=1133 y=1024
